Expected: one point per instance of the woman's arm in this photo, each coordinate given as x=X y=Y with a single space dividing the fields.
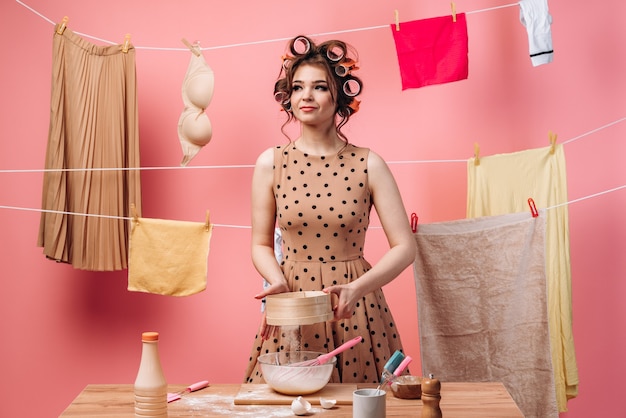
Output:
x=263 y=225
x=402 y=248
x=264 y=220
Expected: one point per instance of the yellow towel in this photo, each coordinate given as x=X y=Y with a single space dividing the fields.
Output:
x=502 y=184
x=168 y=257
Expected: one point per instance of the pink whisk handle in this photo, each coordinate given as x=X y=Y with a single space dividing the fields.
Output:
x=343 y=347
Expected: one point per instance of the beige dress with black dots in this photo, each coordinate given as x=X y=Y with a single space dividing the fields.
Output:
x=323 y=207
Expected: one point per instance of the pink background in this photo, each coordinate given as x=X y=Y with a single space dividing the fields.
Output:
x=63 y=328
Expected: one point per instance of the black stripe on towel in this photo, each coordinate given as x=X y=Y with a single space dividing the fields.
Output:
x=542 y=53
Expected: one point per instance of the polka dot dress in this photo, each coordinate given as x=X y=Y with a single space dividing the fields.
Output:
x=323 y=207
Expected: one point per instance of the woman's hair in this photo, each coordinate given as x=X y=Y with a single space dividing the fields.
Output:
x=332 y=57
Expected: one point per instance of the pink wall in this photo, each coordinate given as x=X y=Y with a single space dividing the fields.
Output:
x=63 y=328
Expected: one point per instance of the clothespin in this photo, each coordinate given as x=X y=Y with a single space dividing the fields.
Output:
x=533 y=208
x=397 y=19
x=207 y=222
x=133 y=209
x=552 y=137
x=193 y=48
x=414 y=222
x=126 y=45
x=453 y=7
x=476 y=154
x=62 y=25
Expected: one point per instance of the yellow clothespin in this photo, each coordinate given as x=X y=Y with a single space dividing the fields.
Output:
x=126 y=45
x=476 y=154
x=61 y=27
x=552 y=137
x=133 y=210
x=397 y=19
x=207 y=223
x=193 y=48
x=453 y=7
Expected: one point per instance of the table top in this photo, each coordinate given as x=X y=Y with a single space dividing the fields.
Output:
x=458 y=400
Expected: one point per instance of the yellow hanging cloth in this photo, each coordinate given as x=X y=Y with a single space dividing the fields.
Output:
x=168 y=257
x=502 y=184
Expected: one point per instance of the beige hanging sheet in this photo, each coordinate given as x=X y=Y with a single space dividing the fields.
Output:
x=482 y=306
x=93 y=147
x=501 y=184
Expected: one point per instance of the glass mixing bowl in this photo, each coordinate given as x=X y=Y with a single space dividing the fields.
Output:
x=284 y=377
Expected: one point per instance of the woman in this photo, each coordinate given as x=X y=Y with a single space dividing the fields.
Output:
x=319 y=190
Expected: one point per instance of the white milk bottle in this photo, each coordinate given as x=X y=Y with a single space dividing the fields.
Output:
x=150 y=385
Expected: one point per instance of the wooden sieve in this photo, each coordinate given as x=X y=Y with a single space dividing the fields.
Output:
x=298 y=308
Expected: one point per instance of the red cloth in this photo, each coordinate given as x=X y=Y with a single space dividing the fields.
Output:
x=432 y=51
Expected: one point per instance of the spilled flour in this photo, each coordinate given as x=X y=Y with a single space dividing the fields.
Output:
x=211 y=405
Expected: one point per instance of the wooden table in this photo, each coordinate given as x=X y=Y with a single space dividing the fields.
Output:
x=458 y=400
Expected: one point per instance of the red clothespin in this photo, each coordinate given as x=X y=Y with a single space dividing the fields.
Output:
x=533 y=208
x=414 y=222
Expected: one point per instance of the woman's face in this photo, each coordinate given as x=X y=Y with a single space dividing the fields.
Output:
x=311 y=99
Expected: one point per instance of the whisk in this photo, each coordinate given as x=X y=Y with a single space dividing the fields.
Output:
x=323 y=358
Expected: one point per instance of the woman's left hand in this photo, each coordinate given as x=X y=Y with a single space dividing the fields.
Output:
x=344 y=300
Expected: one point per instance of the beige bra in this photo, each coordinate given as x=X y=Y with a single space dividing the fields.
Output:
x=194 y=126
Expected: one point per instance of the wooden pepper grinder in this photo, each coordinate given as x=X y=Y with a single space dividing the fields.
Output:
x=431 y=396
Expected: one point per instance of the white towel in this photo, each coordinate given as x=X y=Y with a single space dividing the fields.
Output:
x=536 y=18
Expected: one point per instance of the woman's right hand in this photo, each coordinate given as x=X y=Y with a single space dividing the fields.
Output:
x=267 y=331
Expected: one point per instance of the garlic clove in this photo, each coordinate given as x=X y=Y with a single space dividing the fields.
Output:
x=327 y=403
x=300 y=406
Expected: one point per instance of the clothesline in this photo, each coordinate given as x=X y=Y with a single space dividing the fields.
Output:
x=580 y=199
x=43 y=170
x=246 y=43
x=94 y=215
x=247 y=166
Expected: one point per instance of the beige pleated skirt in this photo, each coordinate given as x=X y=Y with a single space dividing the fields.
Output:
x=92 y=156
